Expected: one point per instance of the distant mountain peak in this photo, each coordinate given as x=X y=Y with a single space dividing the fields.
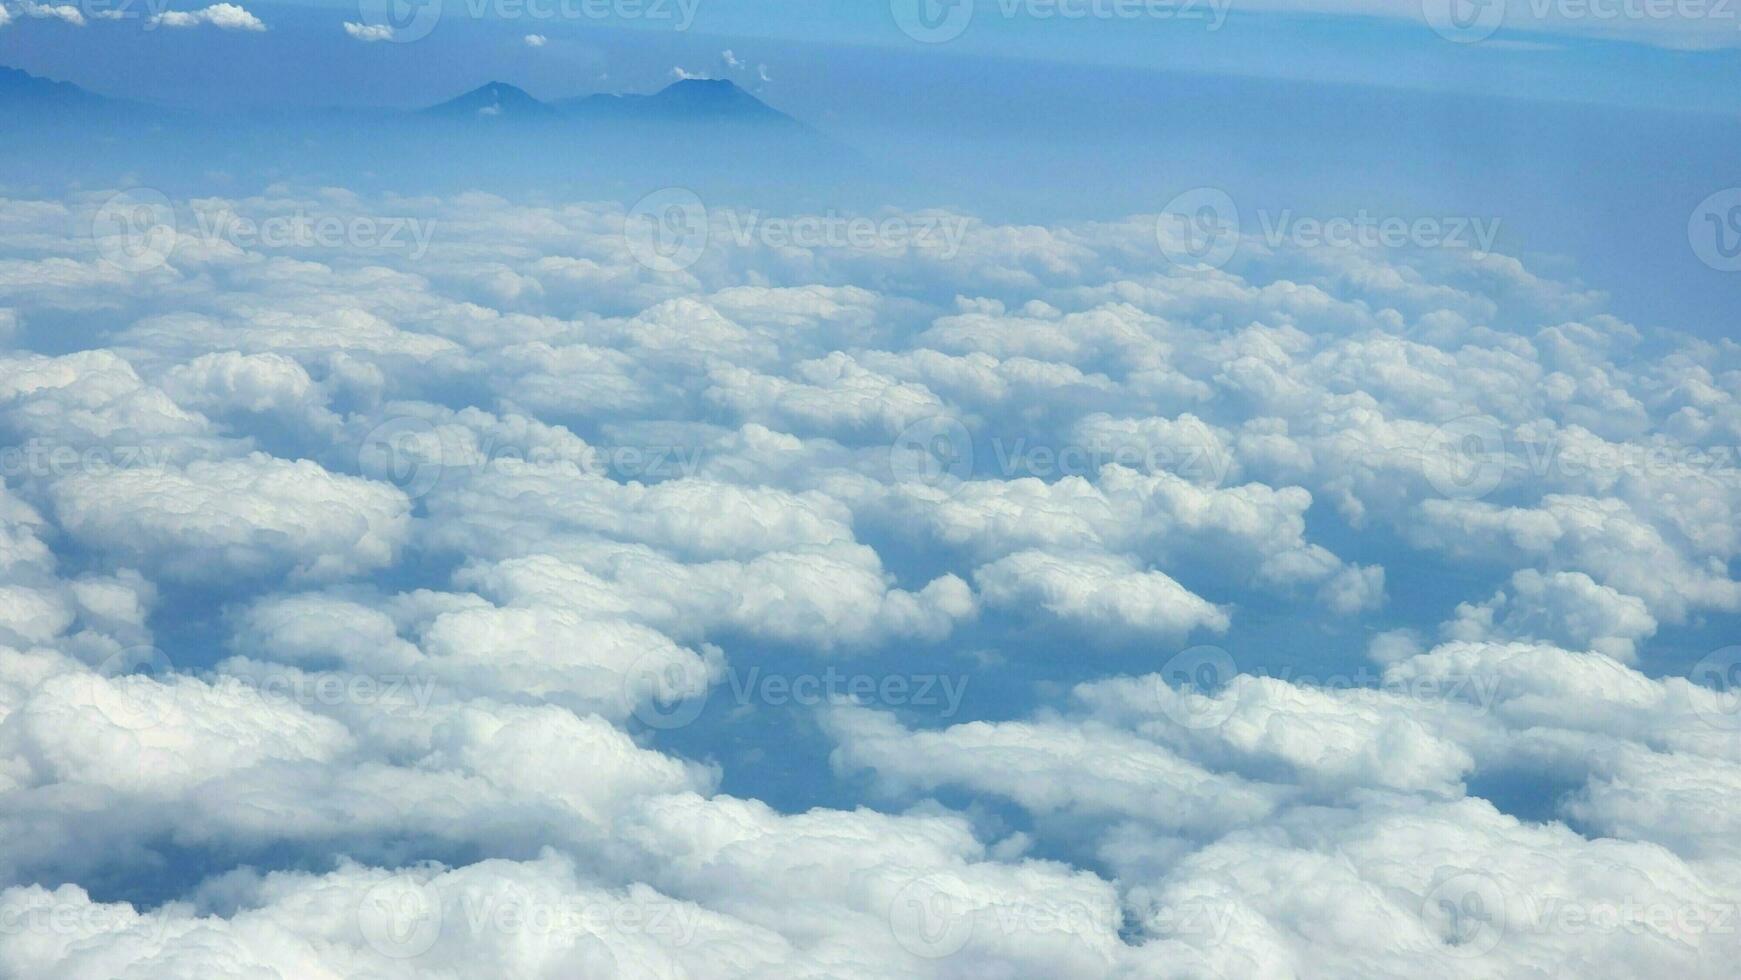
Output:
x=493 y=100
x=500 y=90
x=18 y=86
x=704 y=84
x=687 y=100
x=718 y=90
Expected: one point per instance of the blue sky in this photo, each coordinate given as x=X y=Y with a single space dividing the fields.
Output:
x=817 y=54
x=1052 y=98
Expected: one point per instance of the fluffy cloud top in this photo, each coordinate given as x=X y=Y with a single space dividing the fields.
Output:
x=1098 y=592
x=249 y=516
x=362 y=615
x=368 y=33
x=63 y=12
x=223 y=16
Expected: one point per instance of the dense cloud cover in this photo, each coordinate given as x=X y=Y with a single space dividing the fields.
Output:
x=1337 y=612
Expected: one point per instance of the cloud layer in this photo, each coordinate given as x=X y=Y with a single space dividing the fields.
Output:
x=1340 y=612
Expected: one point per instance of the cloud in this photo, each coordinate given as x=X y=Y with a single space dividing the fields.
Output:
x=1601 y=537
x=223 y=16
x=536 y=40
x=369 y=32
x=65 y=13
x=254 y=515
x=346 y=920
x=427 y=565
x=1393 y=882
x=1092 y=591
x=1048 y=768
x=1563 y=606
x=823 y=597
x=836 y=393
